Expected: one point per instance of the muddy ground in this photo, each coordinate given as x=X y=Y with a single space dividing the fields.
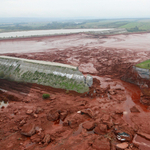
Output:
x=109 y=116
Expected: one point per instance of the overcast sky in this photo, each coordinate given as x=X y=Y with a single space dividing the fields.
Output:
x=75 y=8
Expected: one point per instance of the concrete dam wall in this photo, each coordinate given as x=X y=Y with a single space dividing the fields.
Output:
x=52 y=74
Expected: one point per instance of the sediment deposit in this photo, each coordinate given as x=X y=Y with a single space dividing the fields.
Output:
x=110 y=116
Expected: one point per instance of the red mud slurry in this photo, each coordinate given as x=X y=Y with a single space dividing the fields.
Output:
x=142 y=142
x=131 y=41
x=110 y=107
x=134 y=95
x=138 y=42
x=78 y=131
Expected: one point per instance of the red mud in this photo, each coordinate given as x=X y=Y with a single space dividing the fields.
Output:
x=72 y=121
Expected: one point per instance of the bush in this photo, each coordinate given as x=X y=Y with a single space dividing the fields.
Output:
x=45 y=96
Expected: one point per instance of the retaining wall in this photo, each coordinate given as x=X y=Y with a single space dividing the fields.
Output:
x=52 y=74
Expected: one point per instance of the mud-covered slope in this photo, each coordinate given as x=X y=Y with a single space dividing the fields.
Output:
x=109 y=116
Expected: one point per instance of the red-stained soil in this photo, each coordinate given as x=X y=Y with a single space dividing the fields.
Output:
x=109 y=114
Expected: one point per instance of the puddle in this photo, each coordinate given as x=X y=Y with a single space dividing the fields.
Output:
x=78 y=131
x=142 y=142
x=90 y=132
x=3 y=104
x=128 y=104
x=133 y=93
x=60 y=122
x=132 y=99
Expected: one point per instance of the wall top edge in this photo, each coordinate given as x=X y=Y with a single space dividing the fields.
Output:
x=40 y=62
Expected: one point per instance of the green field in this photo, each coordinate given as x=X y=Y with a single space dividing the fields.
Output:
x=132 y=25
x=144 y=64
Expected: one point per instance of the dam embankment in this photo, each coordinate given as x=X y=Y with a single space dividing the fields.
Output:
x=52 y=74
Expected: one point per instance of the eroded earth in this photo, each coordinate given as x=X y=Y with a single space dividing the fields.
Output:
x=109 y=116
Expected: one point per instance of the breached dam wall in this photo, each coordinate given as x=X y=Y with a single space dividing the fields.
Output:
x=52 y=74
x=138 y=76
x=143 y=73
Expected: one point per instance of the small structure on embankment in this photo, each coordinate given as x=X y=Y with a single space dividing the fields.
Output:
x=52 y=74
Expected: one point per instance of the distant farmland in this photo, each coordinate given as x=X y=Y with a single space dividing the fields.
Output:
x=132 y=25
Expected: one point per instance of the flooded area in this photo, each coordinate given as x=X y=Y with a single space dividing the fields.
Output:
x=135 y=42
x=131 y=41
x=46 y=32
x=110 y=114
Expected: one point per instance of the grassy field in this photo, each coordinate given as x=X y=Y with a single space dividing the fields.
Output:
x=139 y=25
x=132 y=25
x=144 y=64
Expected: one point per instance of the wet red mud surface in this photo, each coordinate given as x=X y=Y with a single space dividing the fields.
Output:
x=109 y=116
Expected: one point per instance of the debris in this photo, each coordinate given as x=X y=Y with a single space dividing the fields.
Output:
x=122 y=146
x=83 y=103
x=105 y=118
x=63 y=115
x=22 y=122
x=15 y=128
x=119 y=111
x=72 y=123
x=35 y=115
x=134 y=109
x=79 y=112
x=29 y=112
x=28 y=129
x=46 y=139
x=123 y=137
x=15 y=111
x=111 y=91
x=38 y=110
x=88 y=112
x=38 y=129
x=37 y=138
x=52 y=97
x=53 y=115
x=88 y=125
x=101 y=129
